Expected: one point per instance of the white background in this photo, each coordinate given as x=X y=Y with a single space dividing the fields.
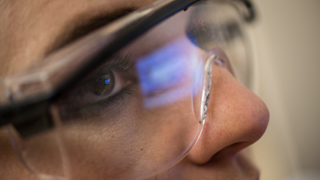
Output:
x=287 y=46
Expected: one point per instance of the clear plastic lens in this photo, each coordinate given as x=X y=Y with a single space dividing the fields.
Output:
x=218 y=24
x=147 y=123
x=38 y=151
x=141 y=111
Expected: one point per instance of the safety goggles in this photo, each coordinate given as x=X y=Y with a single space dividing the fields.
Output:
x=129 y=100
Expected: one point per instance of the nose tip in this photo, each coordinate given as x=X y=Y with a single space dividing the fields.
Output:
x=236 y=119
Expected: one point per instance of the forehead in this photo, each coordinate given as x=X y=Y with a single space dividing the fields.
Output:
x=30 y=27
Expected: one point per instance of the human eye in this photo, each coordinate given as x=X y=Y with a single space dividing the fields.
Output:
x=112 y=81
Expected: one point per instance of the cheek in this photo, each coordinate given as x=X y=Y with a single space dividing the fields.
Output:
x=136 y=139
x=10 y=166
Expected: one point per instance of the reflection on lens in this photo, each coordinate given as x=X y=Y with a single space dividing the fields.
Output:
x=165 y=74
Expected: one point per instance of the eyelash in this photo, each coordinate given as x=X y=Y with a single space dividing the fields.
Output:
x=122 y=62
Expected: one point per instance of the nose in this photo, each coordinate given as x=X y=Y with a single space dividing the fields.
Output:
x=236 y=118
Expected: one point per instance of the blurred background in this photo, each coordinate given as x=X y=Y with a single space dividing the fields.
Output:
x=287 y=47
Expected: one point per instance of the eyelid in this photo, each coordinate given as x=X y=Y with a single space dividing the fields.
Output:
x=120 y=62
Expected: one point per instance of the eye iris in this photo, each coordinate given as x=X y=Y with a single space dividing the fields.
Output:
x=103 y=85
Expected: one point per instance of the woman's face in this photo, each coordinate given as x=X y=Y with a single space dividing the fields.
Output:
x=236 y=117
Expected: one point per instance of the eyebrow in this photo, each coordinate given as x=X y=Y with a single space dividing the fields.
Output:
x=81 y=28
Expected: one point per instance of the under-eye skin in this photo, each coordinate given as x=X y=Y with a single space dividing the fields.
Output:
x=108 y=106
x=113 y=104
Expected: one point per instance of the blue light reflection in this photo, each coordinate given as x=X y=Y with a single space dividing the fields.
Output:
x=163 y=74
x=107 y=81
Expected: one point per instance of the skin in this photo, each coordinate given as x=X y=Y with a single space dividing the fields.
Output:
x=236 y=118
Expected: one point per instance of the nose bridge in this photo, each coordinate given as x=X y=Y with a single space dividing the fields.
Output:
x=214 y=56
x=236 y=118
